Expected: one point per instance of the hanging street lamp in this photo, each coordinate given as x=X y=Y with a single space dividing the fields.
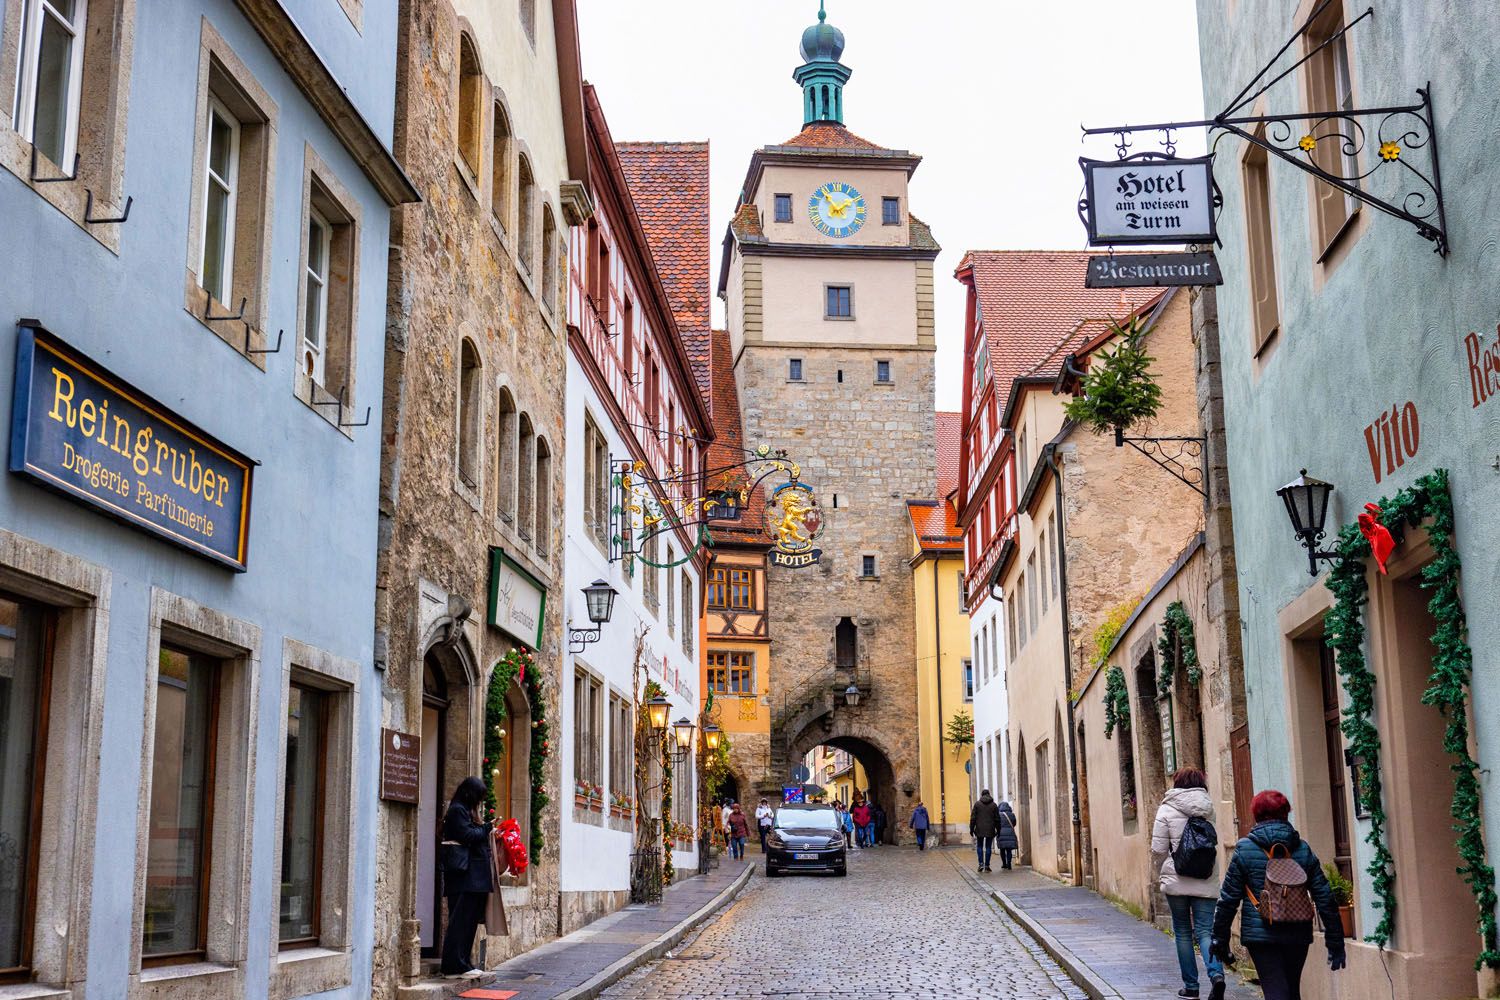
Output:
x=851 y=695
x=656 y=715
x=599 y=597
x=1306 y=502
x=712 y=737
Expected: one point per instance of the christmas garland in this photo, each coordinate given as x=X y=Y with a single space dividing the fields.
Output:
x=1116 y=702
x=1177 y=644
x=518 y=664
x=667 y=871
x=1447 y=690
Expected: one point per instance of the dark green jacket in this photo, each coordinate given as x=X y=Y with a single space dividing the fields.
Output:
x=1247 y=867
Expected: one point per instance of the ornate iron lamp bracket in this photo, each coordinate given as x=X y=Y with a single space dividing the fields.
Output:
x=1183 y=457
x=1403 y=138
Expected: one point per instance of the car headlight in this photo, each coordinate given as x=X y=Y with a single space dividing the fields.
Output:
x=774 y=840
x=836 y=842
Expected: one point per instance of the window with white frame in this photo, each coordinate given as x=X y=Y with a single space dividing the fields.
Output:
x=689 y=614
x=49 y=80
x=220 y=191
x=595 y=482
x=315 y=276
x=968 y=679
x=330 y=256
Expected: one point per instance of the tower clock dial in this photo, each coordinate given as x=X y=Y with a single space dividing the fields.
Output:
x=837 y=209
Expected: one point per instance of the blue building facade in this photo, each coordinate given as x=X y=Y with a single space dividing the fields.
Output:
x=190 y=743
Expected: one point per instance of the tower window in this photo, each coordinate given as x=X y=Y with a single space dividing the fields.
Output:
x=867 y=565
x=890 y=211
x=882 y=371
x=783 y=208
x=845 y=643
x=794 y=369
x=840 y=302
x=841 y=374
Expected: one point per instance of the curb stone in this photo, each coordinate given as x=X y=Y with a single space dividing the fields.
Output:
x=620 y=968
x=1076 y=968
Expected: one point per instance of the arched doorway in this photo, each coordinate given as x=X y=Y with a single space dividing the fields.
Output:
x=860 y=769
x=434 y=741
x=1023 y=796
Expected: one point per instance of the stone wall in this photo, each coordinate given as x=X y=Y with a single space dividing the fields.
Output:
x=871 y=445
x=453 y=277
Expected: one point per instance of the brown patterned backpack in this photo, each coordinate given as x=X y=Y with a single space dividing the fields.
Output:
x=1284 y=899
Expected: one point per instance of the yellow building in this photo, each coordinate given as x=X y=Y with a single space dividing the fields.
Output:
x=944 y=680
x=837 y=772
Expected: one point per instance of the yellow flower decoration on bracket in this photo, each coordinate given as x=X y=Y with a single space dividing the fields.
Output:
x=1307 y=144
x=1389 y=151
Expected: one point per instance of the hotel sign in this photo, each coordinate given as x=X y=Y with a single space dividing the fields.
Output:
x=518 y=600
x=77 y=429
x=1167 y=200
x=1152 y=270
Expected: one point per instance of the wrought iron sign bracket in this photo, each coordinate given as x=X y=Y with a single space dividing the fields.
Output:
x=1174 y=454
x=1396 y=132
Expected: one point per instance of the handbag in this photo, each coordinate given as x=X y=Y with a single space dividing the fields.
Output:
x=453 y=857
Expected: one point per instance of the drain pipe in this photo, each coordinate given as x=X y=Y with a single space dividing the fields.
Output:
x=937 y=649
x=1067 y=641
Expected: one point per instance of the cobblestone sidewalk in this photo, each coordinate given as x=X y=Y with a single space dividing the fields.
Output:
x=1129 y=958
x=584 y=962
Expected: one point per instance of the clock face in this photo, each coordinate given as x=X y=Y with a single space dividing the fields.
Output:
x=837 y=209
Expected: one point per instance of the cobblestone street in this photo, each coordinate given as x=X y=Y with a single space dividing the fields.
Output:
x=902 y=924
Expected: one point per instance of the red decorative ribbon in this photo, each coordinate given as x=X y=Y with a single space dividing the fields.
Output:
x=1381 y=542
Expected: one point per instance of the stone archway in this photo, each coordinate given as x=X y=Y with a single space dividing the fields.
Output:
x=892 y=781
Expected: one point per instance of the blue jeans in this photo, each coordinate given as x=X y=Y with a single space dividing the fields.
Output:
x=1193 y=919
x=869 y=834
x=736 y=847
x=984 y=846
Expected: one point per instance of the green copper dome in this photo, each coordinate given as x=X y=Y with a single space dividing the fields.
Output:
x=821 y=75
x=822 y=42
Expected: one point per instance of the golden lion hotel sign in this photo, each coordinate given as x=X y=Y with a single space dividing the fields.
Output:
x=79 y=430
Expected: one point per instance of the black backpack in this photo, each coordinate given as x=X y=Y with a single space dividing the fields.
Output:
x=1197 y=851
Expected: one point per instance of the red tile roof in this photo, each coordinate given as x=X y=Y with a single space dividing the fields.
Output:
x=949 y=448
x=935 y=523
x=746 y=226
x=728 y=448
x=1035 y=306
x=669 y=185
x=830 y=135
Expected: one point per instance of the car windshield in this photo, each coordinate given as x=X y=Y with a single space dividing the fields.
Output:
x=807 y=819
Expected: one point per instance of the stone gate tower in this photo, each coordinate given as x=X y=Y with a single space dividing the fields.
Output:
x=827 y=282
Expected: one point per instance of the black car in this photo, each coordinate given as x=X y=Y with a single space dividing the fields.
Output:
x=805 y=838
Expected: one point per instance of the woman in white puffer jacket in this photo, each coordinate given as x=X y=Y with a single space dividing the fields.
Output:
x=1191 y=900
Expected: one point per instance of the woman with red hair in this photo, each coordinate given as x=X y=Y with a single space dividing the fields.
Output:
x=1273 y=932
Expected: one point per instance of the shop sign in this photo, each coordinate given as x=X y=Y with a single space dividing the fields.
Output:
x=1392 y=439
x=518 y=600
x=794 y=520
x=1484 y=365
x=1153 y=270
x=78 y=429
x=1159 y=200
x=1168 y=734
x=400 y=767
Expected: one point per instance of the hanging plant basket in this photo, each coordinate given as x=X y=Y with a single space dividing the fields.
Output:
x=1118 y=392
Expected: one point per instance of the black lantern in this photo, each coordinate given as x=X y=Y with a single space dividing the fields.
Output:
x=1306 y=502
x=683 y=729
x=599 y=597
x=712 y=736
x=851 y=695
x=656 y=714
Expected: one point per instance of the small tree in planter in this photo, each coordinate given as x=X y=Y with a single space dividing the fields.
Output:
x=1343 y=897
x=1118 y=391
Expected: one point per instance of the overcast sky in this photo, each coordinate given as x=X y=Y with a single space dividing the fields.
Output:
x=990 y=93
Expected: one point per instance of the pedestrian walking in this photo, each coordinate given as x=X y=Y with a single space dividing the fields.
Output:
x=1184 y=849
x=467 y=883
x=846 y=824
x=1007 y=840
x=877 y=817
x=919 y=825
x=739 y=831
x=764 y=818
x=724 y=811
x=1275 y=881
x=864 y=826
x=984 y=824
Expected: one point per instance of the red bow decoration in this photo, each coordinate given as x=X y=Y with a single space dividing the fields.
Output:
x=1381 y=542
x=509 y=837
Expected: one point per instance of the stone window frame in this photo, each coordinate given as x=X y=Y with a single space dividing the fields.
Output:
x=525 y=239
x=886 y=203
x=237 y=645
x=596 y=688
x=224 y=77
x=502 y=174
x=795 y=370
x=506 y=419
x=472 y=145
x=829 y=286
x=873 y=565
x=324 y=193
x=79 y=594
x=329 y=964
x=776 y=204
x=468 y=422
x=887 y=371
x=552 y=265
x=102 y=119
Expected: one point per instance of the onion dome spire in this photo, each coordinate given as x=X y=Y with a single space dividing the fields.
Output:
x=821 y=75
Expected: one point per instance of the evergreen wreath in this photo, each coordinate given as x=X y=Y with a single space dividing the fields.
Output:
x=1177 y=647
x=1447 y=690
x=1118 y=391
x=667 y=871
x=1116 y=702
x=519 y=664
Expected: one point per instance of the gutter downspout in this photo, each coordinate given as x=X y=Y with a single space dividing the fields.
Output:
x=1062 y=576
x=937 y=648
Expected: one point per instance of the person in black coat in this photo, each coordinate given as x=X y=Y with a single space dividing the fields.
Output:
x=1006 y=840
x=467 y=882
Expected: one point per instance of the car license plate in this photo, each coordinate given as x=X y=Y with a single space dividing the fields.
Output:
x=804 y=857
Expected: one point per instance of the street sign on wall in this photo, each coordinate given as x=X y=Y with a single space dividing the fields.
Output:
x=1152 y=270
x=400 y=767
x=1159 y=200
